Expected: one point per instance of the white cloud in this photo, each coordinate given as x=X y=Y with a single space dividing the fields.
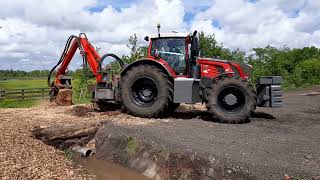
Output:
x=34 y=32
x=38 y=29
x=246 y=25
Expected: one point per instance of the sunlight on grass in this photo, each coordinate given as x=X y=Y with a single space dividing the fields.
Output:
x=13 y=84
x=23 y=84
x=17 y=104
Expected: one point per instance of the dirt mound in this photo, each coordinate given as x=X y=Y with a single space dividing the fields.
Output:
x=80 y=111
x=158 y=161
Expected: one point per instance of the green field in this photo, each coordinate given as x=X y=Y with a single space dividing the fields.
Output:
x=13 y=84
x=23 y=84
x=17 y=104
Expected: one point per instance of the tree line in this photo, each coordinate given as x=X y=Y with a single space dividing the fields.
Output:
x=299 y=67
x=8 y=74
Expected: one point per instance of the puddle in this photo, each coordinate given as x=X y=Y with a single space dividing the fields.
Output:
x=109 y=171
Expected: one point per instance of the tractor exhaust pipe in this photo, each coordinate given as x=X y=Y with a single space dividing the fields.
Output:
x=158 y=26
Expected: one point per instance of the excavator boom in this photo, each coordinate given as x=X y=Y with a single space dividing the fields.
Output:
x=90 y=56
x=88 y=53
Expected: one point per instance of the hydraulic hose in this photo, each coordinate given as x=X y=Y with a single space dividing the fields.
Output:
x=66 y=48
x=65 y=51
x=112 y=55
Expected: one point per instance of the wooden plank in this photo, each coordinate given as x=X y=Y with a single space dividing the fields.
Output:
x=47 y=89
x=25 y=94
x=22 y=94
x=13 y=92
x=35 y=91
x=26 y=97
x=42 y=94
x=2 y=94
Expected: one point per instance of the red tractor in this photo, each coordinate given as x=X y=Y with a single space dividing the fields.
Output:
x=172 y=73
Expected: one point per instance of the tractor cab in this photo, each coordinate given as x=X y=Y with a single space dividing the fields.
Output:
x=171 y=47
x=176 y=49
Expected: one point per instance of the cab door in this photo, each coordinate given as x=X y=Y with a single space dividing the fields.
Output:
x=173 y=51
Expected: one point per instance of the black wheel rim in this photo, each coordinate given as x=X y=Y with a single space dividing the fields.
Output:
x=231 y=99
x=144 y=91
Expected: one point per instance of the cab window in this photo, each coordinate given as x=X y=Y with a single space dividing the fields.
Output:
x=173 y=51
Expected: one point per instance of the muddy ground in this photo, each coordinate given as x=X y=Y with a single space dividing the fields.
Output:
x=273 y=143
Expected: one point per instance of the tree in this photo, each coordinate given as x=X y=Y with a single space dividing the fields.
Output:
x=136 y=51
x=81 y=79
x=209 y=47
x=294 y=65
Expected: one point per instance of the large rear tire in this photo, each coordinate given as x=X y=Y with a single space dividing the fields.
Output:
x=231 y=100
x=146 y=91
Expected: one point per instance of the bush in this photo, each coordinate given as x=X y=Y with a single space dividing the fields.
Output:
x=306 y=73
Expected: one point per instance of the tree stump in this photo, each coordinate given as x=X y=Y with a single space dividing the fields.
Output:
x=64 y=97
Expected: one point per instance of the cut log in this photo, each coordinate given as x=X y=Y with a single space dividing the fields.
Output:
x=64 y=97
x=74 y=132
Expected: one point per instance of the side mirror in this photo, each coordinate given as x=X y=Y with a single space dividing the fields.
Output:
x=146 y=38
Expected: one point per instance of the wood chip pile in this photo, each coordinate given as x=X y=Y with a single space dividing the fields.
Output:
x=24 y=157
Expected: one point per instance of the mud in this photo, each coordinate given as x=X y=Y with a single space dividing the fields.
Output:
x=105 y=170
x=159 y=161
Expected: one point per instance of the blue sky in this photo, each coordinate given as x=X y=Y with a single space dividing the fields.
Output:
x=33 y=32
x=117 y=4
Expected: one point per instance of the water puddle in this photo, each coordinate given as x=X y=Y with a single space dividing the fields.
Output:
x=109 y=171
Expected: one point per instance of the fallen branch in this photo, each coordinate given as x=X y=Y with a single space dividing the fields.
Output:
x=66 y=135
x=311 y=94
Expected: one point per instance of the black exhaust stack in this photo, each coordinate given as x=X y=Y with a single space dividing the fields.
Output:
x=158 y=26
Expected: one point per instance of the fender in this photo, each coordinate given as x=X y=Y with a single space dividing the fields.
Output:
x=161 y=64
x=206 y=82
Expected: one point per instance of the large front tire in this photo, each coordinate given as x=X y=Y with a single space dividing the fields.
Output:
x=146 y=91
x=231 y=100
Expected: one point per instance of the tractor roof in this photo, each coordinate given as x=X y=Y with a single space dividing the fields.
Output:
x=170 y=35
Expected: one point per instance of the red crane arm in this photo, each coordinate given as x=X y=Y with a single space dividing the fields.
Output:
x=86 y=50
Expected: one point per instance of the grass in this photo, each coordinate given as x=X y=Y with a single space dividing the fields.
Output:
x=17 y=104
x=23 y=84
x=76 y=96
x=132 y=145
x=69 y=154
x=77 y=100
x=299 y=178
x=13 y=84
